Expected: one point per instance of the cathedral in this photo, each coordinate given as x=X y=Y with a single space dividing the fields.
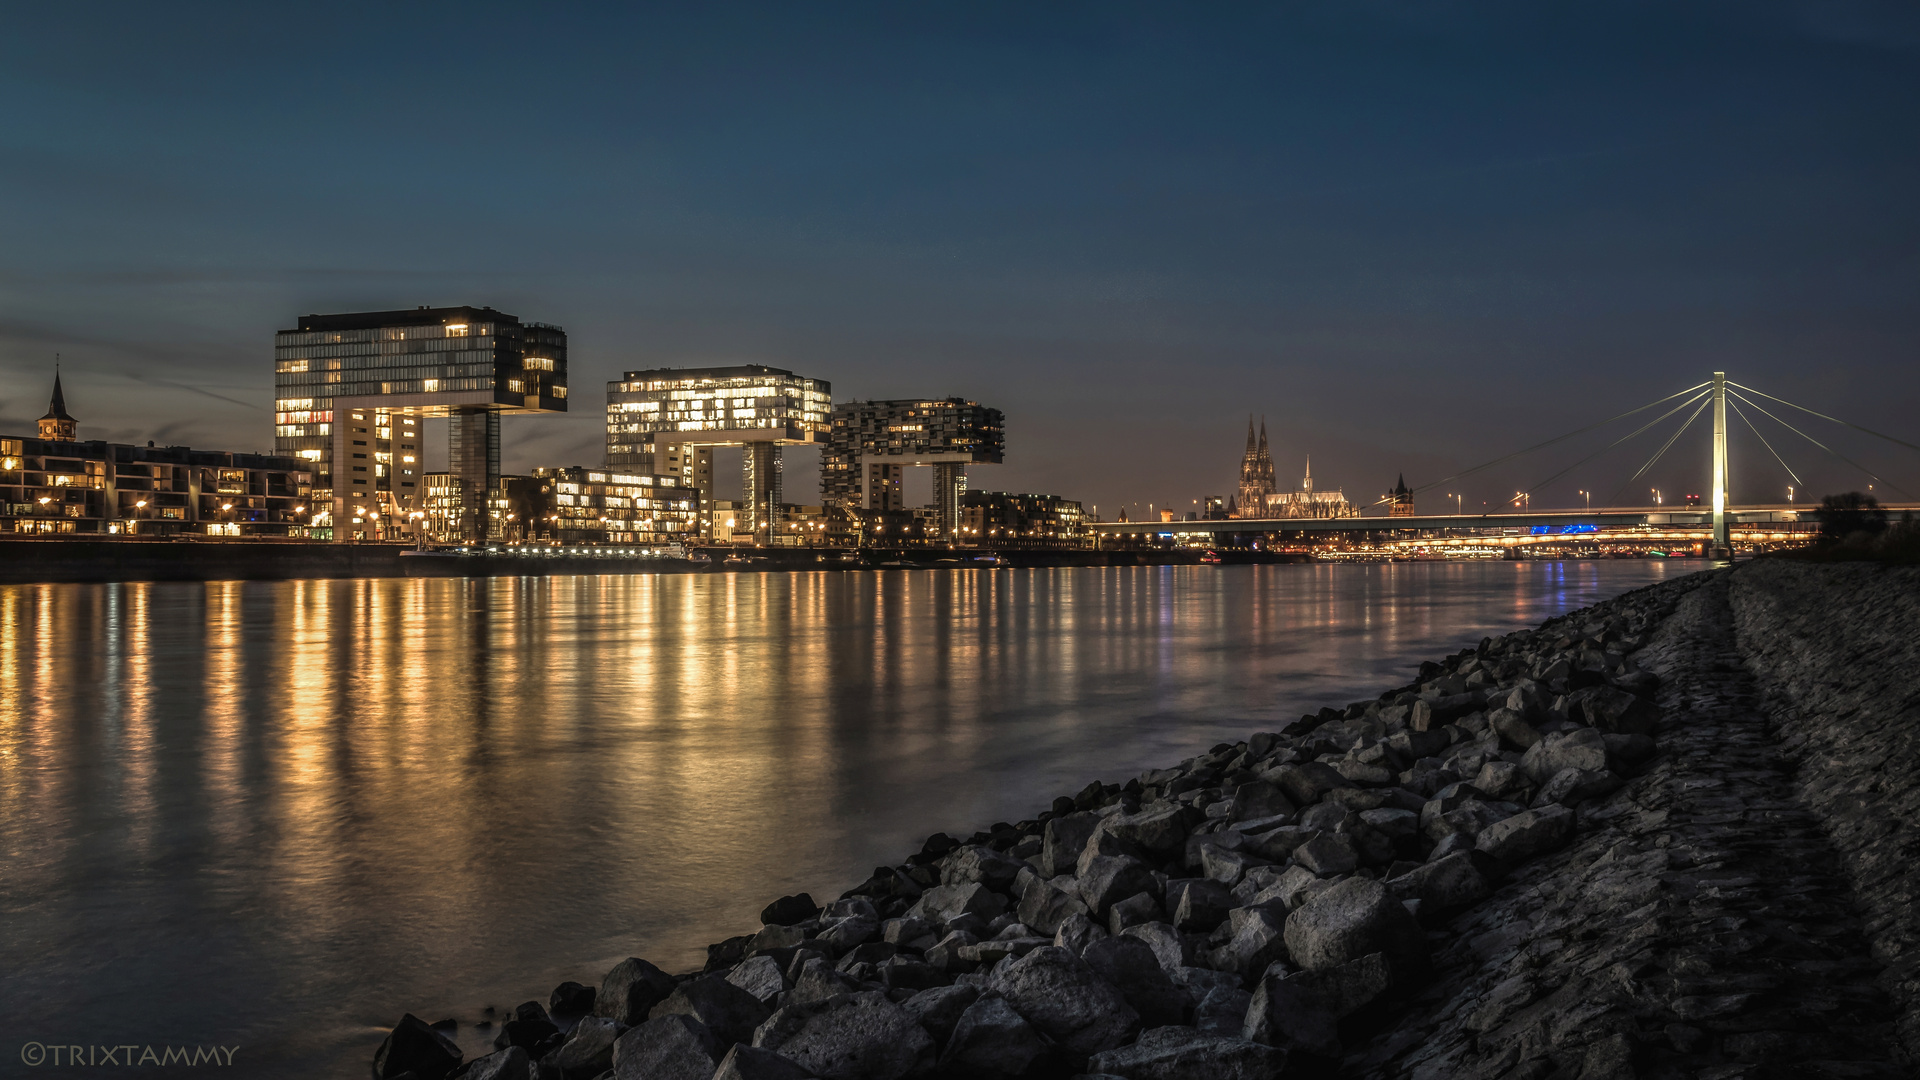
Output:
x=1256 y=474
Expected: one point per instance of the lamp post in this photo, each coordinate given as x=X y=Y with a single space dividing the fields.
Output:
x=1589 y=496
x=139 y=511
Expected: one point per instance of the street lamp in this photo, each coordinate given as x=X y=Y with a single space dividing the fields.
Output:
x=1589 y=496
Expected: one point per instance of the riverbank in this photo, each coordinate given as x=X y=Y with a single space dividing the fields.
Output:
x=1577 y=848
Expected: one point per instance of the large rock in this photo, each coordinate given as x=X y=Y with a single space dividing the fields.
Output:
x=513 y=1063
x=992 y=1041
x=1105 y=880
x=760 y=976
x=1259 y=799
x=1301 y=1010
x=1170 y=948
x=944 y=903
x=1197 y=905
x=1181 y=1053
x=1160 y=834
x=859 y=1037
x=1258 y=940
x=728 y=1011
x=1583 y=748
x=1303 y=784
x=1346 y=922
x=1613 y=710
x=588 y=1051
x=1525 y=835
x=675 y=1047
x=1444 y=885
x=939 y=1010
x=1045 y=907
x=1328 y=854
x=1061 y=995
x=1131 y=965
x=980 y=865
x=631 y=990
x=415 y=1047
x=818 y=981
x=1064 y=839
x=745 y=1062
x=789 y=910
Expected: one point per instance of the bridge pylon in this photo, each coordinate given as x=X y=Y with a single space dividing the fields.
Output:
x=1722 y=545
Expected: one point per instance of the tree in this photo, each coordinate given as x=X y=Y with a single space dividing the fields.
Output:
x=1843 y=515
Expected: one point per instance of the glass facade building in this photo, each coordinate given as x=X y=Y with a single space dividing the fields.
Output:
x=871 y=443
x=351 y=390
x=595 y=506
x=666 y=422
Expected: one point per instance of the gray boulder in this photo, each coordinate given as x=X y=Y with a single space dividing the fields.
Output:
x=944 y=903
x=1076 y=933
x=1346 y=922
x=1613 y=710
x=938 y=1010
x=1328 y=854
x=1226 y=867
x=1258 y=940
x=745 y=1062
x=1160 y=834
x=630 y=990
x=728 y=1011
x=1303 y=784
x=1136 y=909
x=817 y=981
x=509 y=1064
x=1171 y=948
x=1583 y=748
x=1442 y=886
x=1182 y=1053
x=1198 y=904
x=761 y=977
x=588 y=1051
x=1060 y=995
x=1064 y=839
x=1301 y=1010
x=1105 y=880
x=859 y=1037
x=675 y=1047
x=991 y=1040
x=1131 y=965
x=1258 y=799
x=1525 y=835
x=976 y=864
x=1045 y=907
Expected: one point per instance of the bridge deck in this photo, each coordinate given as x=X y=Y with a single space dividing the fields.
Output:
x=1801 y=515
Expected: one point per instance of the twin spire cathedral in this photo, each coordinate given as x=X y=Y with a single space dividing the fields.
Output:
x=1256 y=473
x=1260 y=498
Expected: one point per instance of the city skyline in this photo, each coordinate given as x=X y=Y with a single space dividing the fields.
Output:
x=1104 y=225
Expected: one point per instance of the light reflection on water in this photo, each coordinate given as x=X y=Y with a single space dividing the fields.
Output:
x=280 y=814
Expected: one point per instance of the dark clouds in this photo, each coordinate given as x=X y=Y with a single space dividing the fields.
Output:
x=1413 y=236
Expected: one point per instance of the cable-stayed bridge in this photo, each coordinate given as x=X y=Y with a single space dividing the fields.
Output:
x=1717 y=524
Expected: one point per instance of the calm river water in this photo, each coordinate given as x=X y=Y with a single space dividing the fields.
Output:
x=278 y=815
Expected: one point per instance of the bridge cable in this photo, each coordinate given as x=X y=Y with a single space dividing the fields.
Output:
x=1765 y=443
x=1658 y=454
x=1550 y=442
x=1823 y=416
x=1870 y=473
x=1617 y=442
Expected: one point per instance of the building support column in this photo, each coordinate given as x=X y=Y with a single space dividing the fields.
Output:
x=473 y=457
x=1722 y=542
x=949 y=488
x=761 y=467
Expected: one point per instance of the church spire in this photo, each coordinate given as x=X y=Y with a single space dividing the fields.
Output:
x=57 y=425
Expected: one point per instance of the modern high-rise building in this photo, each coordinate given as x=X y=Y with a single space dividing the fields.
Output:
x=350 y=393
x=872 y=442
x=1256 y=474
x=666 y=422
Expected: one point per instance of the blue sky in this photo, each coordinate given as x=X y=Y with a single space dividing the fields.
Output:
x=1413 y=236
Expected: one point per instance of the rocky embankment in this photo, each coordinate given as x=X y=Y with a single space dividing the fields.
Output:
x=1580 y=851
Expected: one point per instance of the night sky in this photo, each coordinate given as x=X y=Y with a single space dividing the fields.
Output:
x=1412 y=236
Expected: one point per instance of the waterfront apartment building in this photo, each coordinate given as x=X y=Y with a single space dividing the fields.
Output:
x=56 y=484
x=1000 y=519
x=871 y=443
x=666 y=422
x=351 y=391
x=600 y=506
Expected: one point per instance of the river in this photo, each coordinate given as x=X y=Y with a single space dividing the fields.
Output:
x=277 y=815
